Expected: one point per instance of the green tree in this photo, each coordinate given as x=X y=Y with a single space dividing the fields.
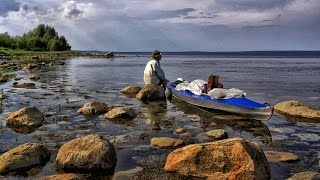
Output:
x=42 y=38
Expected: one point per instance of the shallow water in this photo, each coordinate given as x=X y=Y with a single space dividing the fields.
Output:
x=63 y=89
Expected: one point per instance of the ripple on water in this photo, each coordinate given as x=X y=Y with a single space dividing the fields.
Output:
x=309 y=137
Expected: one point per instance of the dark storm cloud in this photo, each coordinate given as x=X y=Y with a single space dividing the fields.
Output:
x=162 y=14
x=252 y=4
x=74 y=13
x=7 y=6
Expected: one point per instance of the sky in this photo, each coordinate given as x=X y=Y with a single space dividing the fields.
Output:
x=167 y=25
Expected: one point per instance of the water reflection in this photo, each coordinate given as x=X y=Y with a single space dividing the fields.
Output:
x=297 y=119
x=222 y=119
x=155 y=113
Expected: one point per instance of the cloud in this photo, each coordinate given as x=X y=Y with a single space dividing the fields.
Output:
x=7 y=6
x=143 y=24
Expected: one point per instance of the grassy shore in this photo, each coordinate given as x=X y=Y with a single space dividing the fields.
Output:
x=23 y=54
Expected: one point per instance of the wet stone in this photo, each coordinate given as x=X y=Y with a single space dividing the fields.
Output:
x=180 y=131
x=218 y=134
x=166 y=142
x=24 y=157
x=274 y=156
x=121 y=112
x=131 y=89
x=307 y=175
x=65 y=176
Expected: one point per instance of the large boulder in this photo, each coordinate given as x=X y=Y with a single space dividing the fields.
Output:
x=26 y=119
x=64 y=176
x=131 y=89
x=94 y=108
x=226 y=159
x=121 y=112
x=89 y=154
x=24 y=157
x=299 y=109
x=151 y=93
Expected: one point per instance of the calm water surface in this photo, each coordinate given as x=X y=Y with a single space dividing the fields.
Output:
x=63 y=89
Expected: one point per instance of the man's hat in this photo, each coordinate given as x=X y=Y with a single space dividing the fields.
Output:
x=156 y=54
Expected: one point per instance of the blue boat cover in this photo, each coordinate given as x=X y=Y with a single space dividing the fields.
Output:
x=238 y=101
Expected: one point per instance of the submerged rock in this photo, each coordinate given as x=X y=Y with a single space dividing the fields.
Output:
x=89 y=153
x=166 y=142
x=226 y=159
x=65 y=176
x=24 y=157
x=34 y=77
x=94 y=108
x=307 y=175
x=33 y=66
x=3 y=79
x=131 y=89
x=295 y=108
x=151 y=93
x=25 y=119
x=127 y=174
x=274 y=156
x=121 y=112
x=23 y=85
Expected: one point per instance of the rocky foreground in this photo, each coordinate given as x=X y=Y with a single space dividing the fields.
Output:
x=223 y=158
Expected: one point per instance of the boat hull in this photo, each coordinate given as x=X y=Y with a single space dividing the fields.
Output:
x=261 y=113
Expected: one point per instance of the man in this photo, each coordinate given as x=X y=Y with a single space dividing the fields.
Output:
x=153 y=74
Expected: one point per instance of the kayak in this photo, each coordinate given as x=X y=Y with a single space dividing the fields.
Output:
x=236 y=105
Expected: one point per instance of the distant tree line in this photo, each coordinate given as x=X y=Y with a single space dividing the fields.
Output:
x=42 y=38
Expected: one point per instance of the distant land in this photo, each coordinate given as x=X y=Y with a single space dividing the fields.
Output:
x=281 y=54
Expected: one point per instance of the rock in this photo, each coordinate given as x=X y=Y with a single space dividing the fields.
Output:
x=180 y=131
x=295 y=108
x=122 y=139
x=151 y=93
x=24 y=157
x=73 y=100
x=218 y=134
x=122 y=175
x=32 y=66
x=61 y=63
x=35 y=57
x=34 y=77
x=307 y=175
x=94 y=108
x=89 y=154
x=274 y=156
x=65 y=176
x=226 y=159
x=25 y=120
x=23 y=85
x=166 y=142
x=121 y=112
x=3 y=79
x=131 y=89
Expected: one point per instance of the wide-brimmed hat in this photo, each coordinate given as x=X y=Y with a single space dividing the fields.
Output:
x=156 y=54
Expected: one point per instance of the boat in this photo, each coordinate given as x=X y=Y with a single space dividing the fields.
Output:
x=235 y=105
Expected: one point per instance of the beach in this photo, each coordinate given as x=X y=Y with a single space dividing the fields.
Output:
x=62 y=88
